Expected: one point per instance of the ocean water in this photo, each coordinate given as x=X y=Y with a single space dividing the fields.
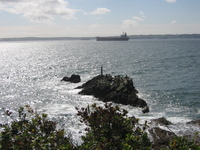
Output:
x=166 y=73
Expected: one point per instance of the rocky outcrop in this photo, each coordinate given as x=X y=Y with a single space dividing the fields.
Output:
x=161 y=132
x=161 y=121
x=195 y=122
x=73 y=79
x=118 y=89
x=161 y=138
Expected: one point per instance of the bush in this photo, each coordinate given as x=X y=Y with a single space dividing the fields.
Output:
x=182 y=143
x=32 y=131
x=111 y=128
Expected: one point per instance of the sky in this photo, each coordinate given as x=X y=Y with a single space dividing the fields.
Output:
x=90 y=18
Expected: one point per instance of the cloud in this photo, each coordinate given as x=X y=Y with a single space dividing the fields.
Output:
x=100 y=11
x=138 y=18
x=39 y=11
x=170 y=1
x=134 y=21
x=173 y=22
x=142 y=14
x=141 y=18
x=129 y=23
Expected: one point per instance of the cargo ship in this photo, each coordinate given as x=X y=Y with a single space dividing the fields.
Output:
x=123 y=37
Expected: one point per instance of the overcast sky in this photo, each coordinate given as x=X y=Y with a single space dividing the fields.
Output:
x=79 y=18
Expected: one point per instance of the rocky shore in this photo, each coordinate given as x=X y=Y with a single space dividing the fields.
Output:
x=117 y=89
x=121 y=90
x=161 y=133
x=73 y=79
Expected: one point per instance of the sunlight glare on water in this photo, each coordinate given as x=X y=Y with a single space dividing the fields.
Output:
x=166 y=73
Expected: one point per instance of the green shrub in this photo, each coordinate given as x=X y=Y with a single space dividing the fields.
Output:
x=32 y=131
x=111 y=129
x=182 y=143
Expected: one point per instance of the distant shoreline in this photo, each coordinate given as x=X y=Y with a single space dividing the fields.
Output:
x=165 y=36
x=153 y=36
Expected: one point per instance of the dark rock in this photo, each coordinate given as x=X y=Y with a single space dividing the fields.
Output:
x=65 y=79
x=161 y=138
x=195 y=122
x=145 y=109
x=73 y=79
x=118 y=89
x=161 y=121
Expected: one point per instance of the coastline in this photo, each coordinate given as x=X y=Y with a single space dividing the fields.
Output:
x=160 y=130
x=159 y=36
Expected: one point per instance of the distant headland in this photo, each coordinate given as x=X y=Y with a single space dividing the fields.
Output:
x=150 y=36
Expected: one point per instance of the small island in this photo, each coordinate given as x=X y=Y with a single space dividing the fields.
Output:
x=117 y=89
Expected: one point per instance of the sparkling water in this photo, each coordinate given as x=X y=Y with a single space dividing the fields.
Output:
x=166 y=73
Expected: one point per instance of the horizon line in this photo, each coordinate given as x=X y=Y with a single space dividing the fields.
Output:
x=83 y=37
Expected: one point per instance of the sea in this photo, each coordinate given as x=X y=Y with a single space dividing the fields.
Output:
x=166 y=72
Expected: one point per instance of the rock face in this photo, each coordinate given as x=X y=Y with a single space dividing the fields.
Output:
x=161 y=133
x=73 y=79
x=161 y=121
x=118 y=89
x=161 y=138
x=196 y=122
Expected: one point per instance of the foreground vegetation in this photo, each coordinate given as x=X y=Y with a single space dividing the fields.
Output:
x=109 y=128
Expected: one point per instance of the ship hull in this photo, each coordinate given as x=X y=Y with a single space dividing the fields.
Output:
x=112 y=39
